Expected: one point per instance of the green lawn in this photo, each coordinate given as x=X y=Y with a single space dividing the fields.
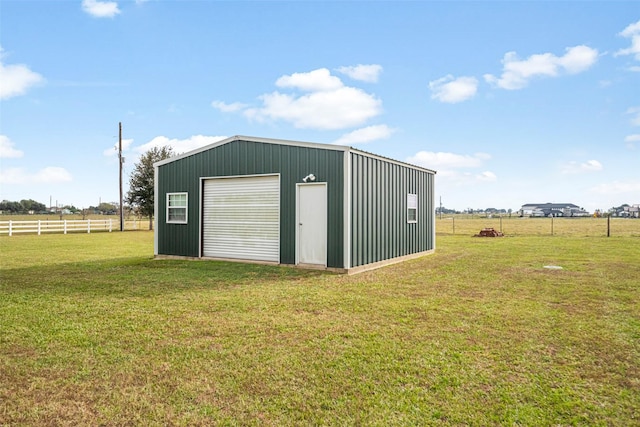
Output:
x=93 y=331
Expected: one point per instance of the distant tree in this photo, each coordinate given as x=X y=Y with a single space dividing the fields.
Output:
x=444 y=210
x=26 y=205
x=38 y=207
x=32 y=205
x=140 y=195
x=10 y=207
x=23 y=206
x=107 y=208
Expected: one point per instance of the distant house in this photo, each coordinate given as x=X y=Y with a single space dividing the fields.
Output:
x=552 y=209
x=59 y=211
x=626 y=211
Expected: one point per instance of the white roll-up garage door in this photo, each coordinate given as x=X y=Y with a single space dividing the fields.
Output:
x=241 y=218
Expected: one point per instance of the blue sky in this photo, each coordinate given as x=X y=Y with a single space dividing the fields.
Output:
x=511 y=102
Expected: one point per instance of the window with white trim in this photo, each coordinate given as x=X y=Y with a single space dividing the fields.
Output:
x=412 y=208
x=177 y=208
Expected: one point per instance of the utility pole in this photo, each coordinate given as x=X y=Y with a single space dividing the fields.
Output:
x=120 y=162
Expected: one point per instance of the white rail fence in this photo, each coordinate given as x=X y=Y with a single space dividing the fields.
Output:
x=63 y=226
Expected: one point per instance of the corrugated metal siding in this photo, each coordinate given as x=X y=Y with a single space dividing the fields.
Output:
x=253 y=158
x=241 y=218
x=379 y=228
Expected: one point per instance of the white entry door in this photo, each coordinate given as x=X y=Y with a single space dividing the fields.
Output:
x=311 y=215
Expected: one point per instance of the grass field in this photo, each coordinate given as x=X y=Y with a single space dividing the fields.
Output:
x=516 y=226
x=93 y=331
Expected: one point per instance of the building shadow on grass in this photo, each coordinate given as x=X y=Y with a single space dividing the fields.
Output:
x=147 y=277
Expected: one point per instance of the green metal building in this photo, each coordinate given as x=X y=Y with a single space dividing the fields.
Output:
x=293 y=203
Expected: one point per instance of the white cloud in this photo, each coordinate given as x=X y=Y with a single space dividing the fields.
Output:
x=462 y=178
x=52 y=174
x=113 y=151
x=7 y=149
x=632 y=141
x=516 y=73
x=365 y=135
x=446 y=161
x=453 y=169
x=100 y=9
x=618 y=187
x=635 y=115
x=366 y=73
x=313 y=81
x=228 y=108
x=48 y=175
x=487 y=176
x=453 y=90
x=325 y=104
x=631 y=32
x=179 y=145
x=340 y=108
x=16 y=79
x=574 y=167
x=578 y=59
x=591 y=166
